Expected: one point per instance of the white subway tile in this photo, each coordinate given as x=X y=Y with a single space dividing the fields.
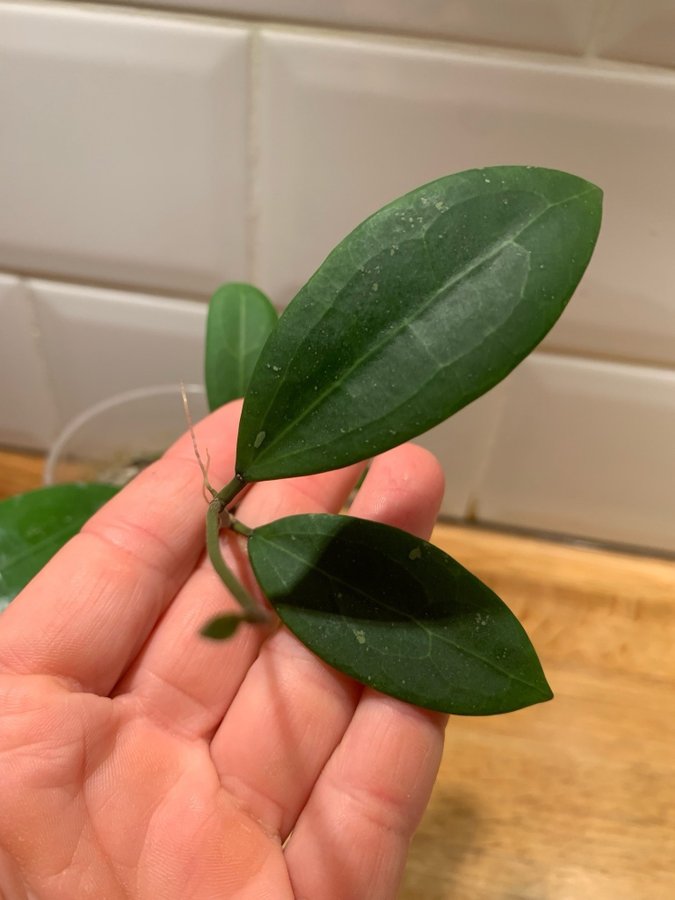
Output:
x=123 y=151
x=641 y=31
x=555 y=25
x=348 y=124
x=98 y=343
x=462 y=445
x=586 y=448
x=27 y=415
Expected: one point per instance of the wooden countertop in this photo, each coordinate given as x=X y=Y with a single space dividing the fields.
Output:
x=573 y=799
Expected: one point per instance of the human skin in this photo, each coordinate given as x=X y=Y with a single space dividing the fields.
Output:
x=140 y=760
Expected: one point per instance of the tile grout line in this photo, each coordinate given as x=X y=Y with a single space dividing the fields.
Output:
x=56 y=412
x=600 y=16
x=120 y=287
x=253 y=200
x=473 y=501
x=144 y=292
x=585 y=55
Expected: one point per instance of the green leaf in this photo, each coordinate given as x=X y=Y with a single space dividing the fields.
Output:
x=35 y=525
x=239 y=321
x=222 y=627
x=422 y=308
x=397 y=614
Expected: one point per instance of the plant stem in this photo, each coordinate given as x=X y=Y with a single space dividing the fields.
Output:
x=214 y=521
x=240 y=528
x=230 y=491
x=252 y=611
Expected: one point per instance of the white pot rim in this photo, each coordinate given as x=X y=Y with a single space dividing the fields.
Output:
x=102 y=406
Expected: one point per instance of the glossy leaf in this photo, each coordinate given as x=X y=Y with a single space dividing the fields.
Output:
x=239 y=321
x=422 y=308
x=35 y=525
x=396 y=613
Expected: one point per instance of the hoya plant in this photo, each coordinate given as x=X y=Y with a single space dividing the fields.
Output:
x=424 y=307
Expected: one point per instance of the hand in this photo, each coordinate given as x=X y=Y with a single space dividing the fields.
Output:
x=140 y=760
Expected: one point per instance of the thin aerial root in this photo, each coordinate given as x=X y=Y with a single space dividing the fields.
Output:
x=205 y=468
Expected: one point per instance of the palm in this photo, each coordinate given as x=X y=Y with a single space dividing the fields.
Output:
x=136 y=811
x=139 y=760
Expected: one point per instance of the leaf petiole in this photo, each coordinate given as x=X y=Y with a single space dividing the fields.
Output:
x=239 y=527
x=214 y=522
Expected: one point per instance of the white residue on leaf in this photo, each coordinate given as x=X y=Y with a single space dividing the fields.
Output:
x=481 y=620
x=375 y=286
x=415 y=553
x=259 y=438
x=440 y=206
x=360 y=635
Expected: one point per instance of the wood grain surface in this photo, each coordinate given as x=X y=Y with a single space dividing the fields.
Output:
x=573 y=799
x=19 y=472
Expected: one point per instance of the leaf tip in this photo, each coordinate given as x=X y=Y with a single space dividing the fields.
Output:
x=541 y=691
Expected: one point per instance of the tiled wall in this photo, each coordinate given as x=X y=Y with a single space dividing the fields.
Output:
x=149 y=152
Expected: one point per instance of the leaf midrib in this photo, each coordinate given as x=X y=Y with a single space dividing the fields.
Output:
x=405 y=401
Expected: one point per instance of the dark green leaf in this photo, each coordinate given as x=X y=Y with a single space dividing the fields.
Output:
x=424 y=307
x=222 y=627
x=397 y=613
x=239 y=321
x=35 y=525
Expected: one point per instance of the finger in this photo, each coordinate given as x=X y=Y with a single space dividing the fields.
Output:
x=408 y=493
x=352 y=837
x=88 y=612
x=305 y=703
x=174 y=673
